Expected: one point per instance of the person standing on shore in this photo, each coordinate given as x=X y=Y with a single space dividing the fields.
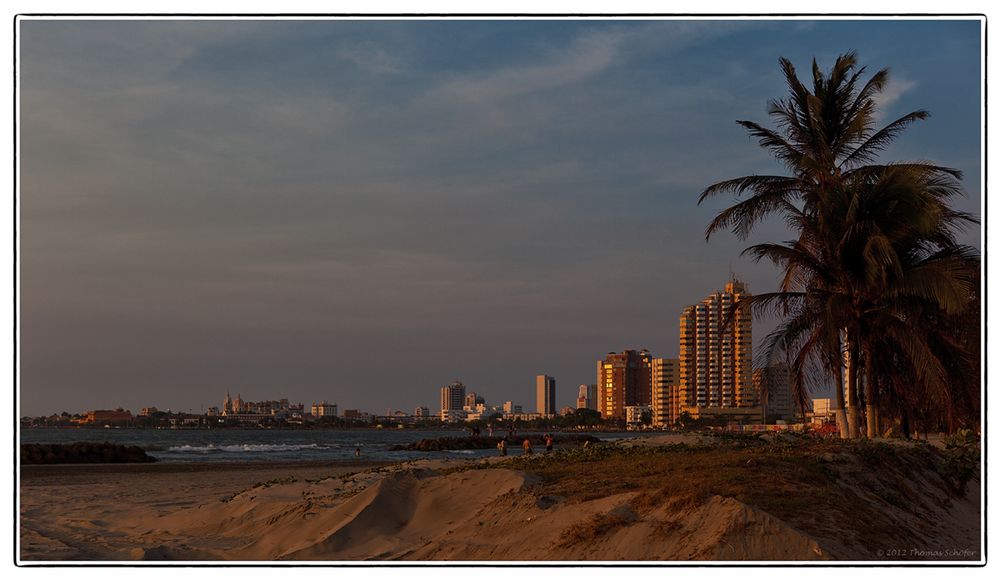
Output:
x=526 y=446
x=502 y=446
x=548 y=443
x=357 y=452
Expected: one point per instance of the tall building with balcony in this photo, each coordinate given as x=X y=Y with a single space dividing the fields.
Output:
x=666 y=375
x=453 y=397
x=545 y=395
x=623 y=380
x=715 y=353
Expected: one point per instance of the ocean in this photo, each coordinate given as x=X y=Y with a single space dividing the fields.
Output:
x=222 y=445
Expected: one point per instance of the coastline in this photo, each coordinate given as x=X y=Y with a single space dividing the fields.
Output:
x=664 y=498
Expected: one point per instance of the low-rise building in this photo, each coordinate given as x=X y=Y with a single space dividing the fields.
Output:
x=823 y=411
x=324 y=409
x=105 y=417
x=452 y=415
x=634 y=414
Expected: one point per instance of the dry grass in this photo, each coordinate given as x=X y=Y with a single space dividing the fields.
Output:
x=595 y=527
x=813 y=485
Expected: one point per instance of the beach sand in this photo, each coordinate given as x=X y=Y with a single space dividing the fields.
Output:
x=605 y=507
x=85 y=512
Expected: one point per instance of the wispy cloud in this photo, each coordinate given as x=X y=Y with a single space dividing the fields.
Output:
x=894 y=90
x=588 y=55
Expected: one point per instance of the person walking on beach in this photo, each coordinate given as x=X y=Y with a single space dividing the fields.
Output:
x=357 y=451
x=502 y=446
x=527 y=446
x=548 y=443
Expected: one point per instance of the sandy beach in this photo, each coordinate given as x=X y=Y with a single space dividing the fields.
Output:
x=84 y=512
x=669 y=498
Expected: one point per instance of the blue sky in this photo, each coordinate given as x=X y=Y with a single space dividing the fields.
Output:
x=363 y=211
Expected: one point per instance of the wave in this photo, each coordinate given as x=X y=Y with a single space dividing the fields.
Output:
x=245 y=448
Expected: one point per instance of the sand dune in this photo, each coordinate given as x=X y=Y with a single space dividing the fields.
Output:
x=420 y=513
x=438 y=510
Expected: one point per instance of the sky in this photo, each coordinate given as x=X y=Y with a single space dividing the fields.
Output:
x=363 y=211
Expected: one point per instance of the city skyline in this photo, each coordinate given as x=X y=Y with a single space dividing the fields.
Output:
x=363 y=211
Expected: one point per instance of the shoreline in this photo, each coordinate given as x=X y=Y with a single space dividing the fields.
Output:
x=663 y=498
x=32 y=472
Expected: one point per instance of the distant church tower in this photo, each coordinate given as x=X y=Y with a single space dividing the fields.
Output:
x=227 y=405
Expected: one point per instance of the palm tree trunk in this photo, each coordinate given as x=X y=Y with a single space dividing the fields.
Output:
x=851 y=380
x=839 y=400
x=871 y=413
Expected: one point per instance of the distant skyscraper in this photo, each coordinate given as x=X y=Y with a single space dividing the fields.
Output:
x=773 y=386
x=453 y=396
x=665 y=378
x=545 y=395
x=582 y=398
x=715 y=357
x=623 y=380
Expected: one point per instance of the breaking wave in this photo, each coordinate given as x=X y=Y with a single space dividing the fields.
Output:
x=245 y=448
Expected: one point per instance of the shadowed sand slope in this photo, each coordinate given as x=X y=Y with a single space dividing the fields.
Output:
x=488 y=514
x=759 y=501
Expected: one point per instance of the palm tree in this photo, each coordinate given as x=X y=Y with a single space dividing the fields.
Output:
x=876 y=243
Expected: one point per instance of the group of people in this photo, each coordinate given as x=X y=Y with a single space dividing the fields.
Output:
x=526 y=445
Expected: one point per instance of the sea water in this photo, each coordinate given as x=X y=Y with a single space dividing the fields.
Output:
x=227 y=445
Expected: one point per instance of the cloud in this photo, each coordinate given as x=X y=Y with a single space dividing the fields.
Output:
x=587 y=55
x=893 y=91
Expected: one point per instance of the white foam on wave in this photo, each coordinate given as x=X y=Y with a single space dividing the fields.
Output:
x=245 y=448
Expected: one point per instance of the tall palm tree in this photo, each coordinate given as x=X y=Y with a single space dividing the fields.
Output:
x=875 y=241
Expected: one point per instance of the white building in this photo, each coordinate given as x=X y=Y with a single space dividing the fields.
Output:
x=324 y=409
x=452 y=415
x=633 y=414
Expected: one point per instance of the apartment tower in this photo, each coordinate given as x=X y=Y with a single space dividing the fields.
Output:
x=665 y=379
x=545 y=395
x=715 y=353
x=453 y=396
x=623 y=380
x=773 y=386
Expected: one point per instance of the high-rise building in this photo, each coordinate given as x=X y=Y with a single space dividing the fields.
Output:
x=582 y=401
x=715 y=352
x=665 y=379
x=773 y=386
x=623 y=380
x=545 y=395
x=453 y=396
